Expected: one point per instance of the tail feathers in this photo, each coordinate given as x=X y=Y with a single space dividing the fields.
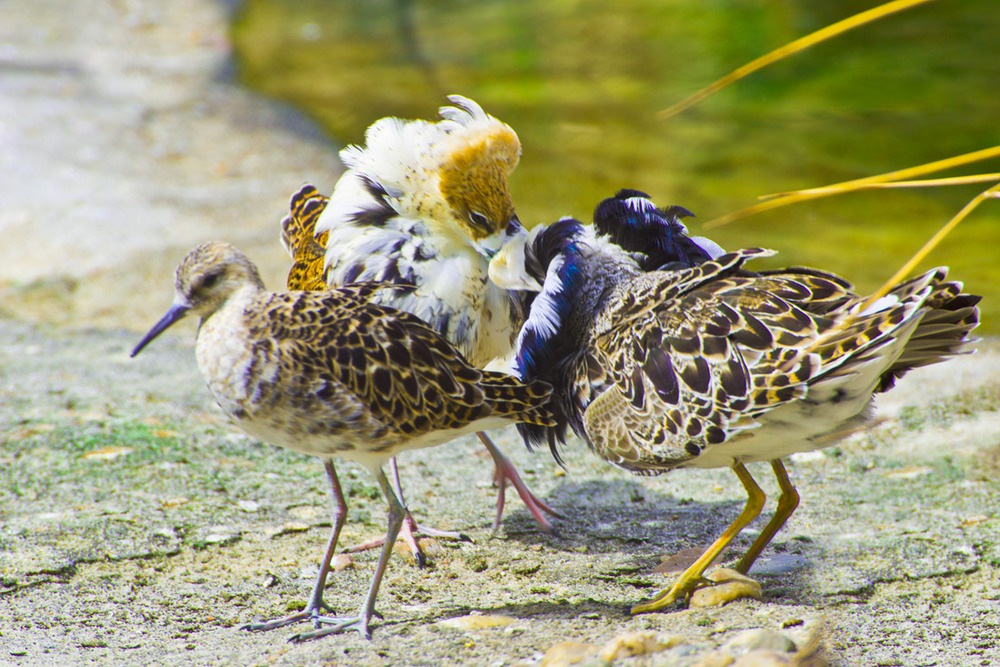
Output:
x=843 y=346
x=298 y=235
x=392 y=149
x=300 y=223
x=920 y=322
x=947 y=320
x=525 y=402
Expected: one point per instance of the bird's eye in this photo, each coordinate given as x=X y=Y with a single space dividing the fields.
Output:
x=479 y=220
x=211 y=280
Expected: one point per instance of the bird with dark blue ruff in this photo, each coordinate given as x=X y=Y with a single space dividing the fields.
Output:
x=709 y=364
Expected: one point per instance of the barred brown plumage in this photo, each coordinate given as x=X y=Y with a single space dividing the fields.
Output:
x=713 y=365
x=333 y=374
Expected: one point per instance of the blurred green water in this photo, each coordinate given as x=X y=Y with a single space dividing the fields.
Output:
x=581 y=81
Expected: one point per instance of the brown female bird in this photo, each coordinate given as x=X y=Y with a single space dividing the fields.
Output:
x=335 y=375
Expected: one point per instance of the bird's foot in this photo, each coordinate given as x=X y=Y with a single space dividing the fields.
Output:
x=408 y=533
x=505 y=473
x=664 y=599
x=722 y=586
x=309 y=613
x=336 y=625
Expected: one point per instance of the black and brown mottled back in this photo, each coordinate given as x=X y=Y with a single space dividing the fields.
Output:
x=332 y=373
x=711 y=355
x=403 y=373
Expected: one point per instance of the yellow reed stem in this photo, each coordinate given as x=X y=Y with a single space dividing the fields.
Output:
x=921 y=254
x=898 y=175
x=785 y=199
x=792 y=48
x=935 y=182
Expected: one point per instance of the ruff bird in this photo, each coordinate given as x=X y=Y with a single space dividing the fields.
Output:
x=335 y=375
x=427 y=204
x=711 y=365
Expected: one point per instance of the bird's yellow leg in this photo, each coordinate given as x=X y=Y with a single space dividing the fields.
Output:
x=787 y=503
x=692 y=577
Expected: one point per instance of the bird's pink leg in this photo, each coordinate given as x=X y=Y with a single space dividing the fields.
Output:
x=506 y=473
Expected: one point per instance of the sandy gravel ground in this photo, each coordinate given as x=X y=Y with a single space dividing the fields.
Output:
x=138 y=528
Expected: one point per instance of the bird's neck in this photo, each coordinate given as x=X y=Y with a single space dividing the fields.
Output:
x=231 y=308
x=544 y=338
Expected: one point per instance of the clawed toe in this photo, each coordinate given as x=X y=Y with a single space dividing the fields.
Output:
x=337 y=626
x=722 y=586
x=276 y=623
x=323 y=625
x=409 y=534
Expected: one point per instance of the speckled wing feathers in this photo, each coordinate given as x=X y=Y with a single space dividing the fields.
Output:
x=406 y=379
x=702 y=355
x=681 y=385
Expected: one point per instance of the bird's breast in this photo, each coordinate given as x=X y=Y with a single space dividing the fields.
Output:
x=235 y=365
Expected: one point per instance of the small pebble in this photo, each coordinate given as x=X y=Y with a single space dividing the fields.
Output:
x=779 y=564
x=221 y=538
x=638 y=643
x=808 y=457
x=714 y=659
x=760 y=639
x=910 y=472
x=171 y=503
x=568 y=653
x=248 y=505
x=730 y=586
x=974 y=520
x=106 y=453
x=476 y=622
x=303 y=512
x=341 y=562
x=764 y=659
x=681 y=560
x=291 y=527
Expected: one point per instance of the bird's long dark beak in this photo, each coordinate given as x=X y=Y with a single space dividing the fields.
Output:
x=176 y=312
